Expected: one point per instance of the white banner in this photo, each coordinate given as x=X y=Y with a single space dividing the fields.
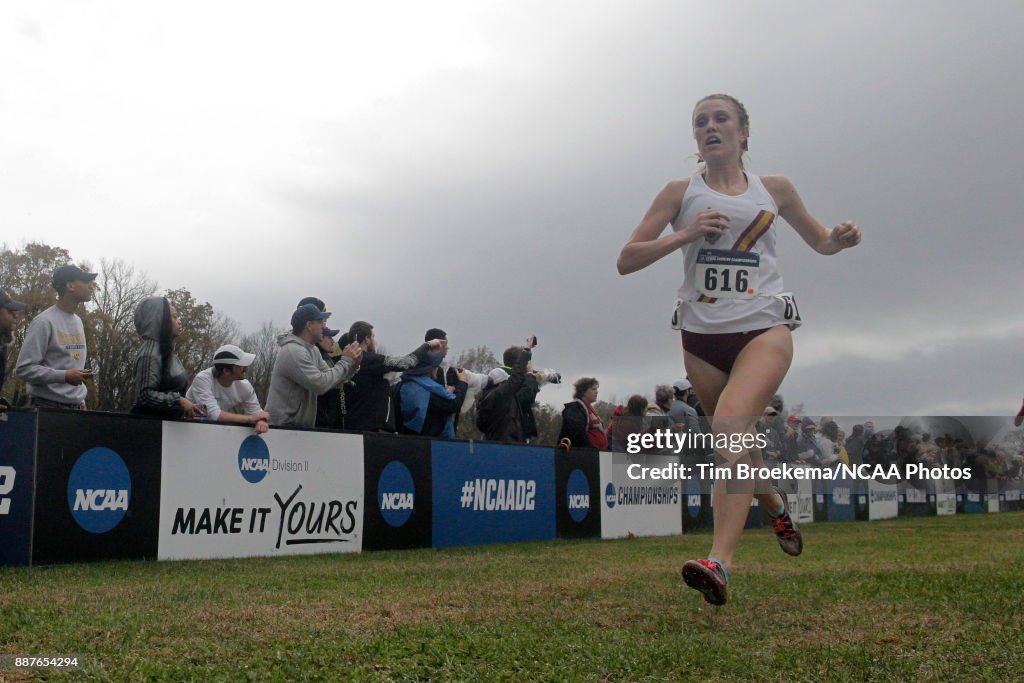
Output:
x=993 y=502
x=945 y=503
x=226 y=492
x=803 y=501
x=882 y=500
x=641 y=505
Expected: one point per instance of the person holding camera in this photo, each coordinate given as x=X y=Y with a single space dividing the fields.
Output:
x=300 y=374
x=368 y=395
x=429 y=405
x=505 y=407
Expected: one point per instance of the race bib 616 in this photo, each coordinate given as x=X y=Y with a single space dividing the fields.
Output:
x=727 y=274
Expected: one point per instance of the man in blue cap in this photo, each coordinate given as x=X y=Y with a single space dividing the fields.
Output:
x=52 y=359
x=8 y=307
x=300 y=373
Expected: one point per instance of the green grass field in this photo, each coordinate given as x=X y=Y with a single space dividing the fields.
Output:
x=909 y=599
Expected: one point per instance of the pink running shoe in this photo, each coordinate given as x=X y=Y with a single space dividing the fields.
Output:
x=708 y=577
x=786 y=530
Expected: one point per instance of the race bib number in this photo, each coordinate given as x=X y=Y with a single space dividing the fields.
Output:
x=726 y=274
x=677 y=314
x=790 y=313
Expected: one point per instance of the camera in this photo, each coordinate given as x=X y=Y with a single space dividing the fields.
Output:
x=550 y=376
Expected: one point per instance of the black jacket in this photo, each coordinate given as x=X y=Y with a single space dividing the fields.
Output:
x=502 y=407
x=368 y=400
x=526 y=396
x=575 y=424
x=3 y=372
x=440 y=408
x=330 y=412
x=160 y=381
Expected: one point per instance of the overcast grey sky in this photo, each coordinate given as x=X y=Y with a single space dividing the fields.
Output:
x=477 y=166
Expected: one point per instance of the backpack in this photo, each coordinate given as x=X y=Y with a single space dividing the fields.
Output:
x=485 y=407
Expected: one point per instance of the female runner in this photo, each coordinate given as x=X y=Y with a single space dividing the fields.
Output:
x=736 y=319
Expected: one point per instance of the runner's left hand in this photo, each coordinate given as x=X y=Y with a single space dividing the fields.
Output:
x=847 y=234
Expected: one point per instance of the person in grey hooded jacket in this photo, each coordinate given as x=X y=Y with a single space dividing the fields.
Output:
x=300 y=373
x=160 y=378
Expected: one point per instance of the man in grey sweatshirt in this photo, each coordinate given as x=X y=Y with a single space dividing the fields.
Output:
x=52 y=359
x=300 y=373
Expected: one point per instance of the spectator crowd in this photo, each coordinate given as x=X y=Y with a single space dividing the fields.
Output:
x=323 y=378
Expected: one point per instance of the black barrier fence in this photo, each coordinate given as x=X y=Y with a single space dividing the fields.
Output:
x=97 y=488
x=80 y=486
x=578 y=494
x=398 y=490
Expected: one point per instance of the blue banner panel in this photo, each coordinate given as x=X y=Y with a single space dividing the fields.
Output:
x=492 y=493
x=397 y=488
x=17 y=486
x=578 y=493
x=840 y=495
x=971 y=494
x=97 y=487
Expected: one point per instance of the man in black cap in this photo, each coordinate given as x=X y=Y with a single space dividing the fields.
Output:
x=52 y=359
x=8 y=307
x=316 y=301
x=427 y=404
x=300 y=373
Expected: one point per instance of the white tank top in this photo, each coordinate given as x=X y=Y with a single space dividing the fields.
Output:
x=709 y=300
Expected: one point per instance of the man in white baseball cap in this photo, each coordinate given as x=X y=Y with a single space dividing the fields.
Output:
x=682 y=413
x=222 y=389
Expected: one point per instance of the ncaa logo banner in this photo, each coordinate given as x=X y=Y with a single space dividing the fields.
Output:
x=578 y=494
x=97 y=487
x=636 y=501
x=17 y=483
x=227 y=492
x=491 y=493
x=696 y=501
x=397 y=485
